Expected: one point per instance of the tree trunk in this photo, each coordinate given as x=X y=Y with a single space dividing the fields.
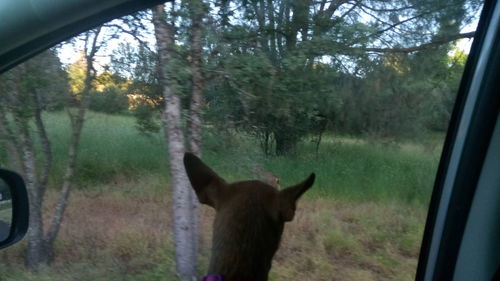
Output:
x=77 y=122
x=17 y=131
x=36 y=252
x=285 y=144
x=272 y=31
x=14 y=160
x=24 y=144
x=195 y=119
x=46 y=147
x=182 y=206
x=62 y=201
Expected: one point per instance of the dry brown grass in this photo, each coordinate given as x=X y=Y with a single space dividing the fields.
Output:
x=122 y=234
x=334 y=240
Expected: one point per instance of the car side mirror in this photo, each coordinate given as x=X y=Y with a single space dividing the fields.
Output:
x=14 y=208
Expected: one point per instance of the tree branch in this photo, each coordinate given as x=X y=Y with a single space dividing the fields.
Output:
x=425 y=46
x=133 y=34
x=387 y=10
x=77 y=126
x=45 y=142
x=328 y=13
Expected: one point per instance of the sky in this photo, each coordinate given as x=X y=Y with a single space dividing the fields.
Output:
x=68 y=53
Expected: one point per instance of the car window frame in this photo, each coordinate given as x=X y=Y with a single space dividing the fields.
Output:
x=47 y=40
x=467 y=140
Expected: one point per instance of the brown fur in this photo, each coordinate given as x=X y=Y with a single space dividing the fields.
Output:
x=249 y=221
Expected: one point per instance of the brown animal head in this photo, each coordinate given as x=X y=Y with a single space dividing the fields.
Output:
x=249 y=220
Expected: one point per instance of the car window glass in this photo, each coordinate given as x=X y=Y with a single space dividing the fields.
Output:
x=358 y=93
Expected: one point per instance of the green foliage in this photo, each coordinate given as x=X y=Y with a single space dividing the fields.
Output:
x=284 y=77
x=147 y=119
x=283 y=71
x=401 y=96
x=111 y=100
x=39 y=81
x=107 y=79
x=275 y=104
x=443 y=92
x=139 y=65
x=76 y=75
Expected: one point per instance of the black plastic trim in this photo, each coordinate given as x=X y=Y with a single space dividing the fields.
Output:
x=20 y=207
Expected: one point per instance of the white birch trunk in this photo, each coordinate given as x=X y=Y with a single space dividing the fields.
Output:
x=186 y=262
x=195 y=106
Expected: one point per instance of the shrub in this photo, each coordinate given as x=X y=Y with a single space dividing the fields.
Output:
x=111 y=100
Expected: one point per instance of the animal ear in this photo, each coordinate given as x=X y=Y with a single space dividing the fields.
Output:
x=206 y=183
x=288 y=197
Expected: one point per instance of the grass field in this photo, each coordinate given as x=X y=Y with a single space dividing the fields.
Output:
x=362 y=220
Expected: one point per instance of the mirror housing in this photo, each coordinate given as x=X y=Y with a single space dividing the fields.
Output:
x=14 y=191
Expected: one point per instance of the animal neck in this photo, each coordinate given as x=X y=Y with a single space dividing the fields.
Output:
x=240 y=269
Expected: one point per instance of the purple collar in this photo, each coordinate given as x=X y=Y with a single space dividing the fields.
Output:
x=213 y=277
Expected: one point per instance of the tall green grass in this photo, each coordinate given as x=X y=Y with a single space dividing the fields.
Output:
x=112 y=147
x=363 y=218
x=353 y=170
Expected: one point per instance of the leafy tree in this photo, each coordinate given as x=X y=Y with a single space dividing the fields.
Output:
x=76 y=74
x=264 y=57
x=27 y=91
x=107 y=79
x=110 y=94
x=110 y=100
x=25 y=95
x=443 y=90
x=139 y=65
